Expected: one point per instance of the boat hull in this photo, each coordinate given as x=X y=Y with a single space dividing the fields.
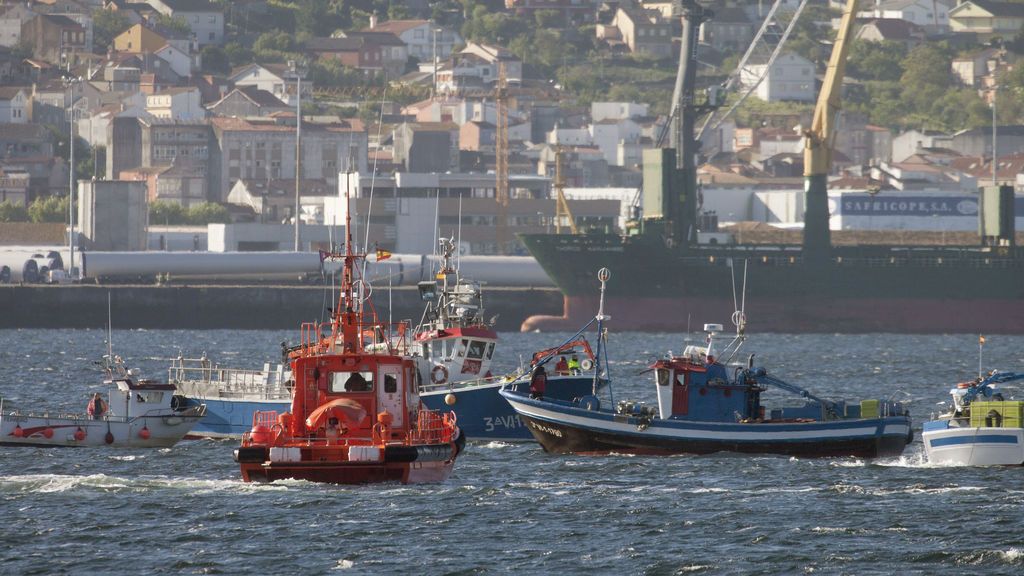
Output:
x=482 y=413
x=863 y=289
x=161 y=431
x=407 y=464
x=973 y=446
x=564 y=429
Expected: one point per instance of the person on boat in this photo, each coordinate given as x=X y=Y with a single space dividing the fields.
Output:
x=356 y=383
x=574 y=365
x=97 y=407
x=334 y=430
x=538 y=382
x=561 y=367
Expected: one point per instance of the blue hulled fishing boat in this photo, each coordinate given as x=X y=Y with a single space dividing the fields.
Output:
x=710 y=402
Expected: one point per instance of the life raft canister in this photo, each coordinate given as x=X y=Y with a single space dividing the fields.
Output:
x=439 y=375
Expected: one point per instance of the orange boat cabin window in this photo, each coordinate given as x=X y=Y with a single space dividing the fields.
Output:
x=351 y=382
x=390 y=384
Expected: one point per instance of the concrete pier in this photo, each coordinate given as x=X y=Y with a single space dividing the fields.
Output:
x=240 y=307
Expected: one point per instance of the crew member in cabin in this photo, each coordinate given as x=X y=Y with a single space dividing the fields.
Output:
x=356 y=383
x=97 y=407
x=562 y=367
x=574 y=365
x=538 y=382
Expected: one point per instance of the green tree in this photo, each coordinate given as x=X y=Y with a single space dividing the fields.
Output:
x=11 y=212
x=926 y=77
x=237 y=53
x=174 y=24
x=215 y=60
x=107 y=25
x=876 y=60
x=208 y=212
x=548 y=19
x=49 y=209
x=166 y=213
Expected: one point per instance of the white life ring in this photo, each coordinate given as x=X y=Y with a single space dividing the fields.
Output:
x=439 y=375
x=586 y=364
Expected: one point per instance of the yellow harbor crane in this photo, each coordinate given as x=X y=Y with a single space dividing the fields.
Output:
x=819 y=143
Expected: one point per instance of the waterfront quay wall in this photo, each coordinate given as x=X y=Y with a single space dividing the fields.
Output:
x=239 y=307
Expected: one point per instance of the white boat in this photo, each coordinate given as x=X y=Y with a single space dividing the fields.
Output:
x=981 y=429
x=136 y=414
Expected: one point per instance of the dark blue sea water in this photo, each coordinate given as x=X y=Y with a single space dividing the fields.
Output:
x=510 y=508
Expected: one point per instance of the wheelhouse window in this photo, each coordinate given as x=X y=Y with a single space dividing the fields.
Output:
x=476 y=349
x=351 y=382
x=390 y=383
x=490 y=350
x=149 y=396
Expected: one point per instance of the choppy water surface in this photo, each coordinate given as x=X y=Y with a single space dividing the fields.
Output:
x=510 y=508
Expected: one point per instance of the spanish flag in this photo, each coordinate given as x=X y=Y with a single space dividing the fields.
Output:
x=382 y=254
x=981 y=339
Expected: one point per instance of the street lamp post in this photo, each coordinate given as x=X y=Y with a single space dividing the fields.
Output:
x=995 y=93
x=71 y=174
x=298 y=69
x=434 y=67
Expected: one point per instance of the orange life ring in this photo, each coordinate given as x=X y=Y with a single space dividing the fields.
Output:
x=439 y=375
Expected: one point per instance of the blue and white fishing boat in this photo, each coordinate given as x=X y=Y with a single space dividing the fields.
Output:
x=453 y=335
x=708 y=403
x=982 y=428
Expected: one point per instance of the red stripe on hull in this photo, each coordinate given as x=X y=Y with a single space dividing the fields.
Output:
x=844 y=315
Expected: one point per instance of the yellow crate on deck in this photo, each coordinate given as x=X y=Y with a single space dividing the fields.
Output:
x=1011 y=412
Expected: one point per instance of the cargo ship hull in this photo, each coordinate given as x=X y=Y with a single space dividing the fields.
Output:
x=864 y=289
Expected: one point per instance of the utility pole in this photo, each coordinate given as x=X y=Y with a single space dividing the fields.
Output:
x=501 y=160
x=71 y=173
x=298 y=69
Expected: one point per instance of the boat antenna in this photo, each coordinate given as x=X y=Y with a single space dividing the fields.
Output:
x=373 y=179
x=110 y=331
x=602 y=275
x=437 y=219
x=458 y=252
x=981 y=347
x=739 y=316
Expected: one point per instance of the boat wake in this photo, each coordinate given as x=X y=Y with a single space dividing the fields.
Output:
x=59 y=483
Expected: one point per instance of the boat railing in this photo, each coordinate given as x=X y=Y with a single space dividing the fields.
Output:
x=899 y=259
x=22 y=416
x=459 y=385
x=228 y=382
x=377 y=337
x=433 y=427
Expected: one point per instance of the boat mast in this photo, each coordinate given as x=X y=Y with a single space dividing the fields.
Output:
x=602 y=275
x=346 y=317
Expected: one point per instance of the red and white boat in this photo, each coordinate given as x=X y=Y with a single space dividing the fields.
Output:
x=136 y=413
x=356 y=416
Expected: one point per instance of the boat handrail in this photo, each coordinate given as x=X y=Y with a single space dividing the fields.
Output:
x=230 y=380
x=458 y=385
x=21 y=416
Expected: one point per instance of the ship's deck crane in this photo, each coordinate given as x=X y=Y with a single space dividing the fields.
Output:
x=819 y=144
x=562 y=211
